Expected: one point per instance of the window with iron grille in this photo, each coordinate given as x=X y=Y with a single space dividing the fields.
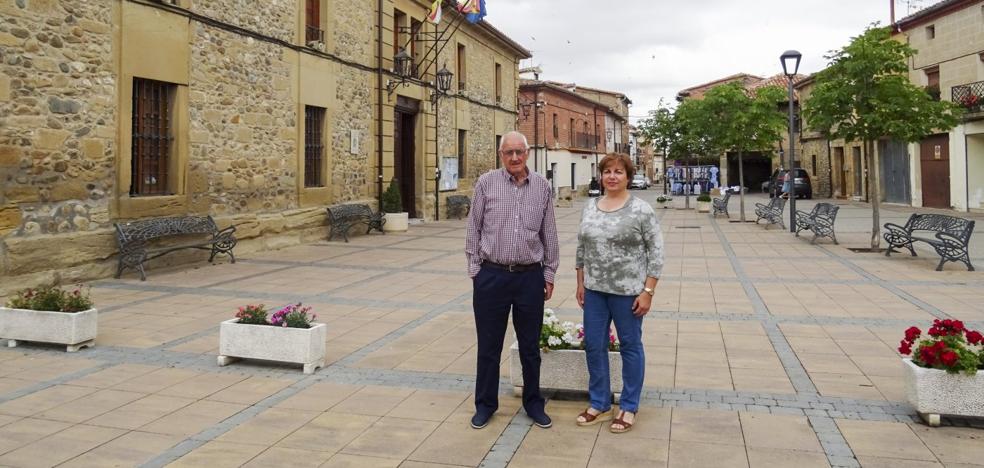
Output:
x=314 y=146
x=498 y=143
x=462 y=153
x=461 y=69
x=312 y=22
x=498 y=83
x=152 y=138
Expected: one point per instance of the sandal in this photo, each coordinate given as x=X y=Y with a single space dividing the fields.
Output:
x=592 y=419
x=626 y=426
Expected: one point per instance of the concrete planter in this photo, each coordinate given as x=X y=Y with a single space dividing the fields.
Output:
x=396 y=222
x=297 y=345
x=564 y=369
x=703 y=207
x=76 y=330
x=934 y=392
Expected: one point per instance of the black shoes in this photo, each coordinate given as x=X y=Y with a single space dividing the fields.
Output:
x=480 y=420
x=541 y=419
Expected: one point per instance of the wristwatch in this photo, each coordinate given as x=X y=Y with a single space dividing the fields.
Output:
x=648 y=290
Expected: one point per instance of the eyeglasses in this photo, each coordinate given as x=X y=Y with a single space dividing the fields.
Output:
x=511 y=153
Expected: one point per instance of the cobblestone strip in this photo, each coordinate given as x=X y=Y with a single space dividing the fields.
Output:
x=794 y=369
x=889 y=286
x=508 y=443
x=186 y=446
x=839 y=453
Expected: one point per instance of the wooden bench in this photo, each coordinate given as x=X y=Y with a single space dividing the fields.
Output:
x=458 y=205
x=720 y=205
x=343 y=217
x=950 y=236
x=772 y=212
x=137 y=239
x=820 y=221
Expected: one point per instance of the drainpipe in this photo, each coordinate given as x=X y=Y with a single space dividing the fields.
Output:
x=379 y=104
x=966 y=173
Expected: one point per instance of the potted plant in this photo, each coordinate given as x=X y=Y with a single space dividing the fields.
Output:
x=50 y=315
x=704 y=203
x=290 y=335
x=396 y=218
x=662 y=200
x=941 y=377
x=562 y=363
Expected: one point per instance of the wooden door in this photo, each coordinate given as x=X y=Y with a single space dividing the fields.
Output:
x=841 y=172
x=934 y=159
x=894 y=170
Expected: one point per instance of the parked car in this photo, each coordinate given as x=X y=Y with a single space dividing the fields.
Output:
x=801 y=179
x=639 y=181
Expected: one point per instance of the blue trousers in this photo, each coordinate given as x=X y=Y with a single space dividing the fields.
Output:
x=497 y=291
x=600 y=310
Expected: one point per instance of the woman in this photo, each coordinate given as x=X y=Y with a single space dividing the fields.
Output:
x=785 y=185
x=619 y=260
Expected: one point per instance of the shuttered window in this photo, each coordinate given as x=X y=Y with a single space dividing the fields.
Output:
x=152 y=136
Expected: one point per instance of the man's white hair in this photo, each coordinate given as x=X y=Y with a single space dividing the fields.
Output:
x=514 y=134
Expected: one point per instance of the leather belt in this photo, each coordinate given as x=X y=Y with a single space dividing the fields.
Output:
x=512 y=268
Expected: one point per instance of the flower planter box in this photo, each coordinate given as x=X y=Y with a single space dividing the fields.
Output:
x=297 y=345
x=934 y=392
x=703 y=207
x=564 y=369
x=76 y=330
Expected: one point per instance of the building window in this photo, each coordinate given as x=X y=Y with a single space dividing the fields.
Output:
x=152 y=137
x=498 y=160
x=556 y=131
x=814 y=158
x=313 y=33
x=930 y=31
x=399 y=19
x=498 y=83
x=415 y=27
x=570 y=133
x=597 y=135
x=461 y=68
x=314 y=146
x=462 y=144
x=933 y=82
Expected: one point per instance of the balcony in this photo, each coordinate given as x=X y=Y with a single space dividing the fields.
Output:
x=585 y=141
x=969 y=96
x=313 y=34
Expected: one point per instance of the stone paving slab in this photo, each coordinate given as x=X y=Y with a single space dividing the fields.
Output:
x=762 y=350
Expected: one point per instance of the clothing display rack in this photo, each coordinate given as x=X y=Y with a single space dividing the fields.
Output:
x=701 y=179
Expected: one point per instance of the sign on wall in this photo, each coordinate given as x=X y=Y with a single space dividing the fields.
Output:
x=449 y=173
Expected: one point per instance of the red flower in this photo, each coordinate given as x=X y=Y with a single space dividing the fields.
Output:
x=927 y=356
x=974 y=337
x=905 y=347
x=911 y=334
x=949 y=358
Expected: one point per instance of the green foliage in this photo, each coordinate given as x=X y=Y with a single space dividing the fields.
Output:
x=52 y=299
x=252 y=315
x=663 y=199
x=659 y=128
x=703 y=197
x=392 y=203
x=739 y=120
x=865 y=94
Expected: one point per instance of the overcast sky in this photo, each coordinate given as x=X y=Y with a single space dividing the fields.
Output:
x=648 y=49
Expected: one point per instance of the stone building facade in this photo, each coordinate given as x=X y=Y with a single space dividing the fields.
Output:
x=235 y=89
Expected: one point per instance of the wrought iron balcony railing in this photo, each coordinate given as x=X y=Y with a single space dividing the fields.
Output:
x=313 y=34
x=584 y=140
x=969 y=96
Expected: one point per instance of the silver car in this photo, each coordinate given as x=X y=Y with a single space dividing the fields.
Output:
x=639 y=181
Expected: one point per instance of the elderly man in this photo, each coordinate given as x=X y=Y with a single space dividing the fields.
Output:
x=513 y=254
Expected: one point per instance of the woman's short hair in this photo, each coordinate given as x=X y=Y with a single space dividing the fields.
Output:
x=611 y=159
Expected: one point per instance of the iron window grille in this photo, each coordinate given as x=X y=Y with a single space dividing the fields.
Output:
x=152 y=137
x=314 y=146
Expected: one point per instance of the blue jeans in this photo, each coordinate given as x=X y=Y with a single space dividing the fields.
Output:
x=600 y=310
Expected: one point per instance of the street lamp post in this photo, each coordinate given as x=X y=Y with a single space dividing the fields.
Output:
x=790 y=60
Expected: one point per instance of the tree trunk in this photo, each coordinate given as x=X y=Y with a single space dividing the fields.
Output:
x=874 y=193
x=741 y=186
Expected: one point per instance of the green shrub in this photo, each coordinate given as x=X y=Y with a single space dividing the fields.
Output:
x=392 y=203
x=704 y=197
x=51 y=298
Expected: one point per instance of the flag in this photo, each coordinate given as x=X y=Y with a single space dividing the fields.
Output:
x=434 y=16
x=467 y=6
x=478 y=13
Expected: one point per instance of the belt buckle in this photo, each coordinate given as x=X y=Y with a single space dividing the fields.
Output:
x=510 y=269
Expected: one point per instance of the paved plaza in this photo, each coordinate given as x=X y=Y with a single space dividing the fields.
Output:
x=762 y=351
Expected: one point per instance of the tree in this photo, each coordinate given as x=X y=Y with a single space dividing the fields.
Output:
x=660 y=130
x=741 y=121
x=392 y=201
x=865 y=94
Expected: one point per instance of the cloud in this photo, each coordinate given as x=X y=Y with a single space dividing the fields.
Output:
x=650 y=49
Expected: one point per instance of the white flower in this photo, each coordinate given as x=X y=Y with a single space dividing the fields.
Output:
x=554 y=341
x=567 y=326
x=568 y=338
